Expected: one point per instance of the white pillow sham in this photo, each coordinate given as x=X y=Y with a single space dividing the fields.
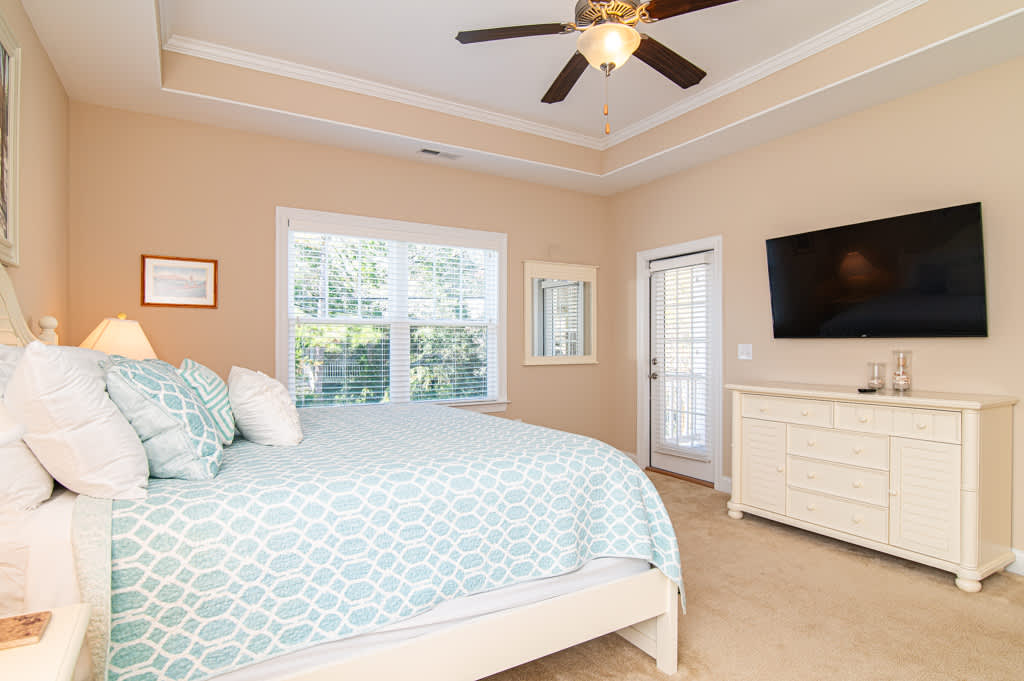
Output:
x=13 y=566
x=24 y=483
x=73 y=427
x=263 y=409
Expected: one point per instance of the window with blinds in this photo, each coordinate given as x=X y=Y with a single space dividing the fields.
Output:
x=680 y=338
x=386 y=320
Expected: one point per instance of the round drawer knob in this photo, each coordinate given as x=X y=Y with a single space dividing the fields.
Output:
x=858 y=450
x=863 y=419
x=811 y=507
x=804 y=412
x=780 y=468
x=812 y=475
x=858 y=484
x=922 y=426
x=811 y=443
x=892 y=493
x=858 y=519
x=764 y=410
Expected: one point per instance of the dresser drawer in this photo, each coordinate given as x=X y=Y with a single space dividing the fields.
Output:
x=869 y=451
x=846 y=516
x=788 y=409
x=859 y=484
x=923 y=424
x=865 y=418
x=927 y=424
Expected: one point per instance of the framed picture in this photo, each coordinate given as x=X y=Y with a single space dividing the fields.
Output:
x=179 y=282
x=10 y=101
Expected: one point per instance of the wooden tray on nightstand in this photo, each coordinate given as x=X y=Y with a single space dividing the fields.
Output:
x=23 y=630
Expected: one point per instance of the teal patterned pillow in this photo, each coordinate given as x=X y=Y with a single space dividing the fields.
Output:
x=179 y=436
x=213 y=391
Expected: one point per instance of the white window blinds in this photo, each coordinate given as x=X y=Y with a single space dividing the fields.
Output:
x=680 y=291
x=383 y=320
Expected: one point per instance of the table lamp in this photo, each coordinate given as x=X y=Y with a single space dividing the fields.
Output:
x=120 y=336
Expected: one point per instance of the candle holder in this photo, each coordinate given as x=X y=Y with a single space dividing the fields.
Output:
x=876 y=375
x=901 y=360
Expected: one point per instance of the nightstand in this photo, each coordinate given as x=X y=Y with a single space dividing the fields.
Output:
x=54 y=657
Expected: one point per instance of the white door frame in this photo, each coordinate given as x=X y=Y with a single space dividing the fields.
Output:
x=643 y=350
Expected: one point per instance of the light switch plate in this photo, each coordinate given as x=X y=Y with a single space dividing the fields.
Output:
x=745 y=351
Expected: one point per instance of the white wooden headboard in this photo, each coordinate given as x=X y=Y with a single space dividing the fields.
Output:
x=13 y=327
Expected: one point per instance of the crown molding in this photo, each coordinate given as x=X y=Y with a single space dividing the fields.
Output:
x=810 y=47
x=317 y=76
x=837 y=34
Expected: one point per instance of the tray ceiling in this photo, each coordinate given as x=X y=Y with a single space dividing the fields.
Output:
x=411 y=45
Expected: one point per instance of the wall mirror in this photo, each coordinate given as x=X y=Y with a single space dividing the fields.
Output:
x=560 y=310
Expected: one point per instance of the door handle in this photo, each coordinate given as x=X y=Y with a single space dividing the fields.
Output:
x=654 y=376
x=654 y=362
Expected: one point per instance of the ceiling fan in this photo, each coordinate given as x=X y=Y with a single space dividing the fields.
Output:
x=608 y=37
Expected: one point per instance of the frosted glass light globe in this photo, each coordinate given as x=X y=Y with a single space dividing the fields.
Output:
x=609 y=43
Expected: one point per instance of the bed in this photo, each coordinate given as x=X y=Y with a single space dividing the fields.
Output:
x=394 y=542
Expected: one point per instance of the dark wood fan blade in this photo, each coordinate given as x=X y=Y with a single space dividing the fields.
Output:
x=507 y=32
x=668 y=63
x=666 y=9
x=566 y=80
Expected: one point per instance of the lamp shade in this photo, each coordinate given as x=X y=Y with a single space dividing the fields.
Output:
x=120 y=336
x=608 y=43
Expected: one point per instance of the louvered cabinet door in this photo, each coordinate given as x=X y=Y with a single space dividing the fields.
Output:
x=924 y=497
x=764 y=465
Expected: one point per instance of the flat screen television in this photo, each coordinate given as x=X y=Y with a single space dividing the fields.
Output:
x=920 y=275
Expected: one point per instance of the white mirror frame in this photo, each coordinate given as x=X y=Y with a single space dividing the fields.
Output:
x=533 y=269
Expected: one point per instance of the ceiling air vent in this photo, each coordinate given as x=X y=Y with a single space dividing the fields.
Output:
x=434 y=153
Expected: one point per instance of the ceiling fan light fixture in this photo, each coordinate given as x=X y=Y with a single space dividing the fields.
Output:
x=608 y=44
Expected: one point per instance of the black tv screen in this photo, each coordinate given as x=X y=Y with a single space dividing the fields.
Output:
x=920 y=275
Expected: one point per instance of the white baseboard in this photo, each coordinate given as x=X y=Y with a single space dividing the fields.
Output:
x=1018 y=567
x=724 y=485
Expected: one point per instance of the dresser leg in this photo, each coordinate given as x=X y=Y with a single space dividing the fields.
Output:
x=971 y=586
x=733 y=513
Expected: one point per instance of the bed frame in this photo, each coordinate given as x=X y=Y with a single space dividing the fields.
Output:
x=643 y=608
x=14 y=330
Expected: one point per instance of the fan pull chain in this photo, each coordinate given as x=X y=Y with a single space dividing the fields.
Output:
x=607 y=122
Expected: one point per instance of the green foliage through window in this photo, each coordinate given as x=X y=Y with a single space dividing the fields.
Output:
x=380 y=321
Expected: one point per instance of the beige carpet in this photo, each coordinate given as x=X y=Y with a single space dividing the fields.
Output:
x=767 y=602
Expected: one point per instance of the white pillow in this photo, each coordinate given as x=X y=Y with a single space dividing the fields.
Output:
x=10 y=355
x=73 y=428
x=24 y=483
x=264 y=412
x=13 y=566
x=84 y=358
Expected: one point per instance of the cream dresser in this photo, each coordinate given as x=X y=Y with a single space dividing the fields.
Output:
x=924 y=476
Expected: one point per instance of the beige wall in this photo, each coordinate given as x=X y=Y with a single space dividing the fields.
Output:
x=41 y=279
x=956 y=143
x=144 y=184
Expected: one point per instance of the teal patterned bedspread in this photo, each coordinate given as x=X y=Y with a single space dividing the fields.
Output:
x=380 y=514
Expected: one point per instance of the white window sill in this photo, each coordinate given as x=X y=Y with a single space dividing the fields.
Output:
x=493 y=407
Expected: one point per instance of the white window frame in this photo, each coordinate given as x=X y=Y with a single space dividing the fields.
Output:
x=723 y=483
x=395 y=230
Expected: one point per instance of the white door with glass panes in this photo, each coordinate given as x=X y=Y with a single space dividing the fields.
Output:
x=681 y=365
